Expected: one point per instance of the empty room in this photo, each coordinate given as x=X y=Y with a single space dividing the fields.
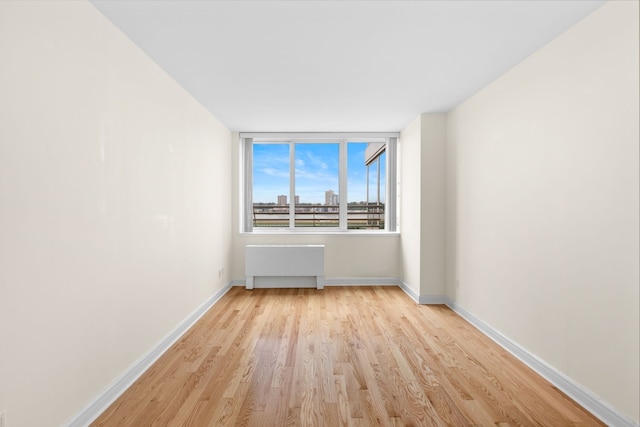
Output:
x=319 y=213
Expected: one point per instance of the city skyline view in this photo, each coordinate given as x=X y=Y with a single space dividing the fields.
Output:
x=316 y=172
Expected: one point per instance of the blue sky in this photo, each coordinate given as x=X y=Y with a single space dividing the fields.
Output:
x=316 y=171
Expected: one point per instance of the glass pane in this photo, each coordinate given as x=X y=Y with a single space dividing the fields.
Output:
x=271 y=185
x=366 y=185
x=316 y=182
x=356 y=185
x=377 y=180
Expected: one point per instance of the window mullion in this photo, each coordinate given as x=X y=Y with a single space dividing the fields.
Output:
x=342 y=185
x=378 y=182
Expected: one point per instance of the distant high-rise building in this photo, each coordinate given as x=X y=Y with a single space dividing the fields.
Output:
x=331 y=198
x=282 y=199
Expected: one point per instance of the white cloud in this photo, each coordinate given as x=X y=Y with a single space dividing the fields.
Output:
x=275 y=172
x=317 y=161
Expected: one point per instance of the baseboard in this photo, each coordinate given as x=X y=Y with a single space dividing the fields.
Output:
x=361 y=281
x=409 y=291
x=433 y=299
x=422 y=299
x=239 y=282
x=587 y=399
x=128 y=377
x=344 y=281
x=375 y=281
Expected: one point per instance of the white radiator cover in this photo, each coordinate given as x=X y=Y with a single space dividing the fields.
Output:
x=281 y=263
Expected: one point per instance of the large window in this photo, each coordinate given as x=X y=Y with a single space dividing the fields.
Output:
x=319 y=182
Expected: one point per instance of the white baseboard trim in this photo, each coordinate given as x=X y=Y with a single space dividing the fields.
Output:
x=433 y=299
x=361 y=281
x=587 y=399
x=344 y=281
x=239 y=282
x=422 y=299
x=409 y=291
x=101 y=402
x=375 y=281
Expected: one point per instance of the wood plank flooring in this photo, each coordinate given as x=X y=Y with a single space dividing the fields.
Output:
x=344 y=356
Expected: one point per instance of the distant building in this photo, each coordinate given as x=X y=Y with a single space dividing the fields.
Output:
x=282 y=200
x=331 y=198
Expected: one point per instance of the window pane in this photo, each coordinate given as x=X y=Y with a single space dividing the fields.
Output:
x=356 y=185
x=271 y=185
x=366 y=185
x=316 y=183
x=377 y=180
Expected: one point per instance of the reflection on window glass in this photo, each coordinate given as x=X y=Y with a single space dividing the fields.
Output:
x=366 y=185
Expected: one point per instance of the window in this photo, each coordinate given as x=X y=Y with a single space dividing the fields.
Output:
x=319 y=182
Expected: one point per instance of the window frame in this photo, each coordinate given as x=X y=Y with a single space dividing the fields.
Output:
x=343 y=139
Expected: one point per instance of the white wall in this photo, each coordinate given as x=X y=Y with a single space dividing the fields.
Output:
x=350 y=256
x=410 y=185
x=422 y=210
x=115 y=194
x=432 y=204
x=347 y=255
x=543 y=204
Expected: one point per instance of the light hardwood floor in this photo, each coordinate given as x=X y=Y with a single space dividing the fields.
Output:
x=344 y=356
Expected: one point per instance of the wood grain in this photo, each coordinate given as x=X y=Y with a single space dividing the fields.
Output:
x=343 y=356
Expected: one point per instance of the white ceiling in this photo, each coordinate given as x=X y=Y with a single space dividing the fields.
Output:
x=338 y=65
